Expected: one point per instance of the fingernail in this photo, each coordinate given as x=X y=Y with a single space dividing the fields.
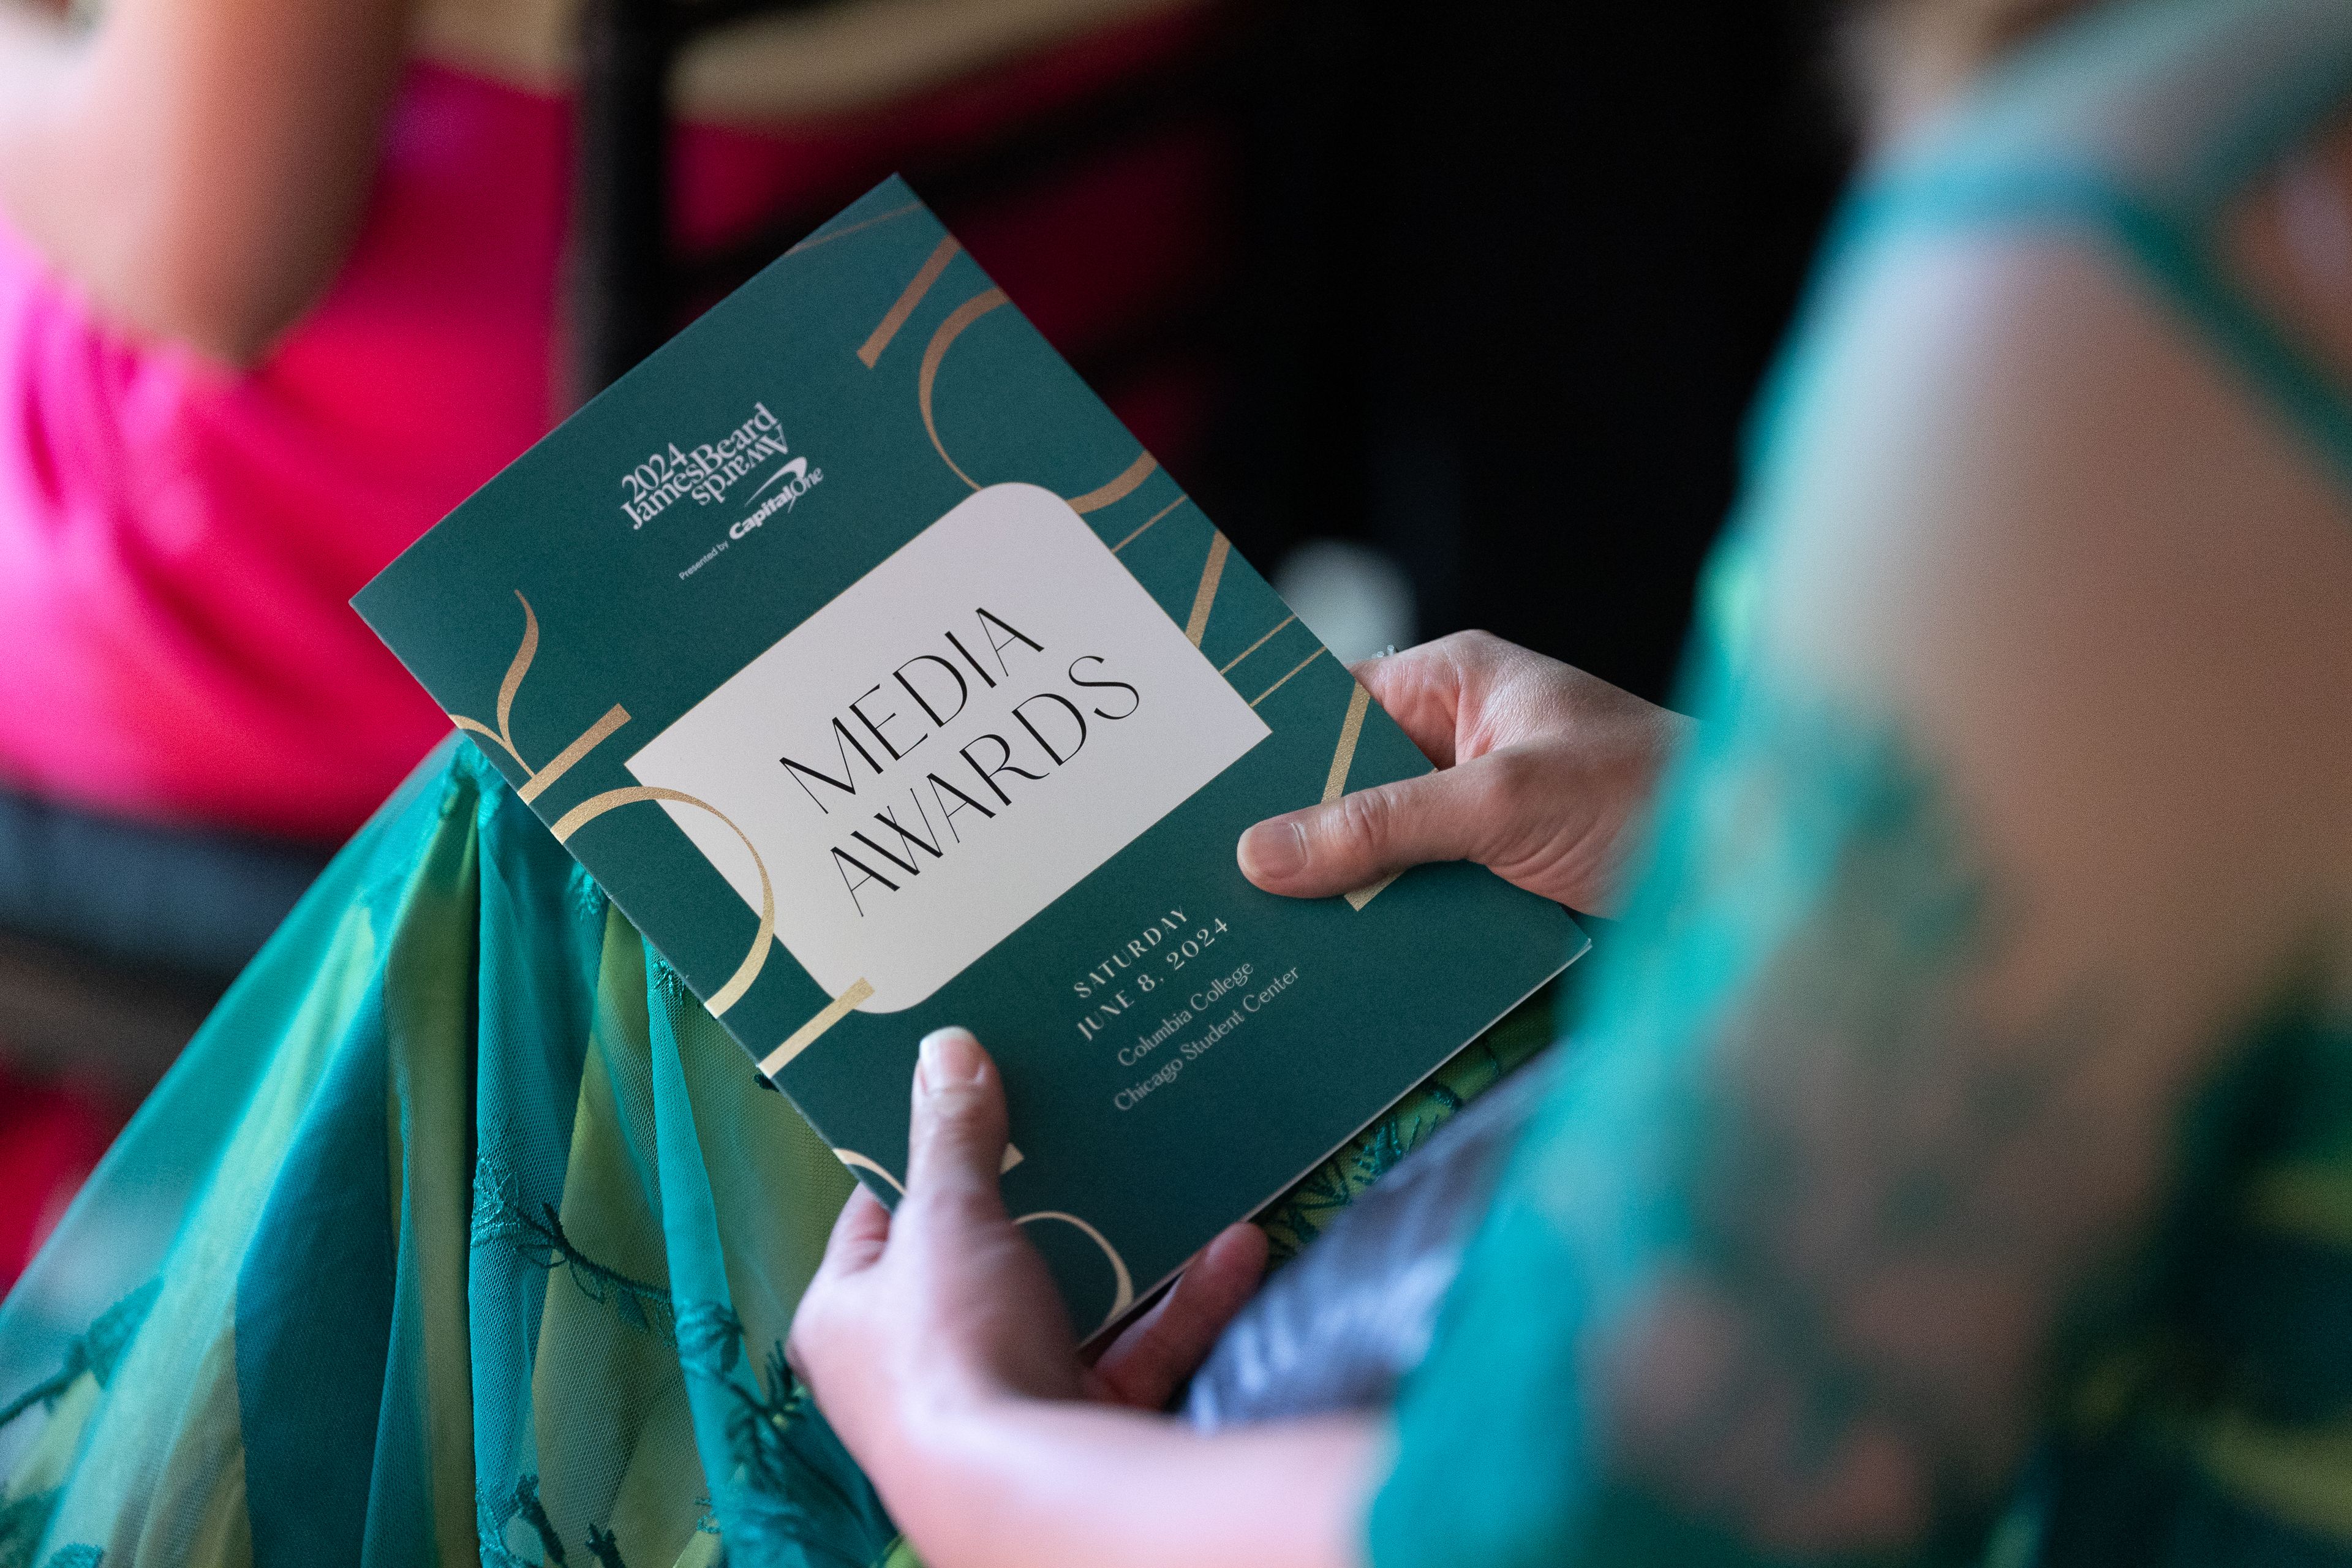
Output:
x=949 y=1055
x=1274 y=848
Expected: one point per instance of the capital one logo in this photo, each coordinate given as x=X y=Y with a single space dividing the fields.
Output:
x=781 y=488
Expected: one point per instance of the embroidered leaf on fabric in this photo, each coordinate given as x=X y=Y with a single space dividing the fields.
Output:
x=23 y=1521
x=710 y=1339
x=500 y=1216
x=588 y=899
x=95 y=1351
x=798 y=1497
x=607 y=1551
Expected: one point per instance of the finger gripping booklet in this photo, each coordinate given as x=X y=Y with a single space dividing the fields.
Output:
x=885 y=683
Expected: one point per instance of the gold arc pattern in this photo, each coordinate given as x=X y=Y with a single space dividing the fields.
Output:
x=1343 y=755
x=596 y=806
x=832 y=1013
x=857 y=1161
x=813 y=241
x=1302 y=664
x=1148 y=521
x=1351 y=729
x=515 y=672
x=871 y=350
x=1123 y=1294
x=1204 y=598
x=476 y=727
x=935 y=354
x=943 y=337
x=589 y=740
x=535 y=781
x=1123 y=1282
x=1119 y=489
x=1226 y=667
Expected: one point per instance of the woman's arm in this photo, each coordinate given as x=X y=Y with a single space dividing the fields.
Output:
x=1036 y=1484
x=196 y=168
x=934 y=1341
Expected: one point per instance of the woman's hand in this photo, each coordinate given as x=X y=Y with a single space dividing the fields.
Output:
x=1544 y=774
x=934 y=1342
x=945 y=1302
x=924 y=1326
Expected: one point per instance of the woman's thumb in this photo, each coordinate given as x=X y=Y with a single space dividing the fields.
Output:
x=956 y=1138
x=1360 y=838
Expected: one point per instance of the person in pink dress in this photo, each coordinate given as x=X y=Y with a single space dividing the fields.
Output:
x=279 y=285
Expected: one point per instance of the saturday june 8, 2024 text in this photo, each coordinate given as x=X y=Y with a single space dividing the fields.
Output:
x=1168 y=995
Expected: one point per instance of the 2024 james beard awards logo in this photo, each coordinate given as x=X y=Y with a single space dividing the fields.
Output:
x=710 y=472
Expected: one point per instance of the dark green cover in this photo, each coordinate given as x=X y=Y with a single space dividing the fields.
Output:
x=866 y=387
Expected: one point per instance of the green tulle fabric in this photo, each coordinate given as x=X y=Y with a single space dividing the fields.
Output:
x=462 y=1233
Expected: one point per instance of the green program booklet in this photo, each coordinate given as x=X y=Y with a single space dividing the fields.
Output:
x=885 y=683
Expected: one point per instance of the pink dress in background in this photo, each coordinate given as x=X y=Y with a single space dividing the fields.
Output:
x=178 y=541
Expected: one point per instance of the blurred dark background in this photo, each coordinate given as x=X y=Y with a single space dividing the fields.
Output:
x=1486 y=287
x=1532 y=260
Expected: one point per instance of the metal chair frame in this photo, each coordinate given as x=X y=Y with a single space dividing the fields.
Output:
x=630 y=285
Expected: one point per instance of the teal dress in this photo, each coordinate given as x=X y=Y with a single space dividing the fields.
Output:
x=459 y=1234
x=462 y=1234
x=1956 y=1162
